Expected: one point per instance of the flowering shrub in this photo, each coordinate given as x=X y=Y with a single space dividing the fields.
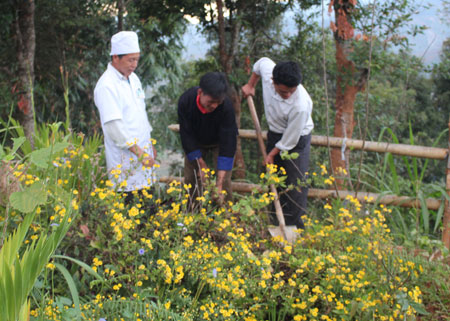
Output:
x=157 y=259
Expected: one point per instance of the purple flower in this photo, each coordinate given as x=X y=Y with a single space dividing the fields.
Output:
x=141 y=251
x=214 y=272
x=102 y=319
x=54 y=224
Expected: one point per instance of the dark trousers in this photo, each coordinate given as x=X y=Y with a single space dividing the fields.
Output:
x=191 y=173
x=293 y=202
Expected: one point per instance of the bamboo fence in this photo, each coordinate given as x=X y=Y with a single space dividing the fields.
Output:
x=378 y=147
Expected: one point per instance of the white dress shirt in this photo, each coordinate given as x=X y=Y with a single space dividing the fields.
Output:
x=290 y=117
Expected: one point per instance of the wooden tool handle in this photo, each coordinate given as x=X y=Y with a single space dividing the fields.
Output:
x=262 y=147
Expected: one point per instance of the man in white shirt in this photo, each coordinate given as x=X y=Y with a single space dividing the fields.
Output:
x=288 y=108
x=120 y=100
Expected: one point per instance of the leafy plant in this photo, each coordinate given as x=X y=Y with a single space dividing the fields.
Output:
x=18 y=273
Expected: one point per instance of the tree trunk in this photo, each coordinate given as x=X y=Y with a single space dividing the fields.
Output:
x=226 y=56
x=345 y=100
x=239 y=163
x=120 y=9
x=347 y=86
x=25 y=49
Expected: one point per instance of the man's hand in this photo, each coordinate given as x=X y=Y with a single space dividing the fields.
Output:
x=268 y=160
x=148 y=161
x=219 y=184
x=145 y=159
x=202 y=165
x=270 y=157
x=249 y=88
x=154 y=152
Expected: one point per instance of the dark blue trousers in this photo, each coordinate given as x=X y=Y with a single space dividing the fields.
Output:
x=293 y=202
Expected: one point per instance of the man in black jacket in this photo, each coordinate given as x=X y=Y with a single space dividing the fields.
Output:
x=208 y=125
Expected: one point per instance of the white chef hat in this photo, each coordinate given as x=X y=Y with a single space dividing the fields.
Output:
x=124 y=42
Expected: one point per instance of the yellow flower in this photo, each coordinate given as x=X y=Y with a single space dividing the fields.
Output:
x=97 y=262
x=74 y=204
x=228 y=257
x=117 y=287
x=167 y=305
x=328 y=207
x=50 y=266
x=133 y=211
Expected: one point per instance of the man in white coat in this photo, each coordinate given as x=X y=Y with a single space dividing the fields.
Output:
x=120 y=99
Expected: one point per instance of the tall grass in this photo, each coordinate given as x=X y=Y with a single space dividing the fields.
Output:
x=402 y=175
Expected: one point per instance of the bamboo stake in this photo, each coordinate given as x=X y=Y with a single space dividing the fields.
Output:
x=446 y=219
x=403 y=201
x=380 y=147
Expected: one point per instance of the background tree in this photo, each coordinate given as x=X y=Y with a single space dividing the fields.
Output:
x=24 y=36
x=352 y=68
x=242 y=32
x=73 y=50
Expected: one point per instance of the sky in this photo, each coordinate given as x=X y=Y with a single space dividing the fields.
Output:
x=427 y=46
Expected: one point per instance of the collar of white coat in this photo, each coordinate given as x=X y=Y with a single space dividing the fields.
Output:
x=289 y=100
x=116 y=72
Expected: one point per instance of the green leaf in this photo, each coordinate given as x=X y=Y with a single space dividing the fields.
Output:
x=18 y=284
x=80 y=263
x=17 y=143
x=439 y=215
x=425 y=213
x=27 y=200
x=391 y=163
x=419 y=308
x=63 y=195
x=42 y=157
x=24 y=314
x=72 y=288
x=9 y=286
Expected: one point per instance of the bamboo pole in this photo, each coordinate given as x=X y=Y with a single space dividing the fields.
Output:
x=446 y=219
x=380 y=147
x=403 y=201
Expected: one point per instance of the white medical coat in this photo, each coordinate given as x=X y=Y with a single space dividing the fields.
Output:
x=117 y=97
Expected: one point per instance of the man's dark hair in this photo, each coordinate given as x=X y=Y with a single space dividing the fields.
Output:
x=287 y=73
x=214 y=84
